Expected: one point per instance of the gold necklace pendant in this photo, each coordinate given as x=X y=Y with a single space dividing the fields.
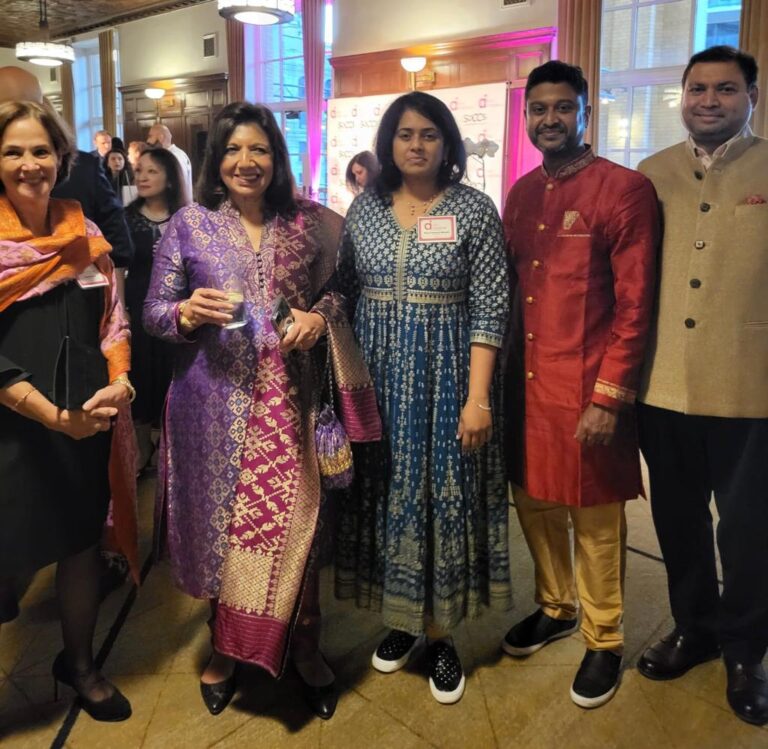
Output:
x=425 y=205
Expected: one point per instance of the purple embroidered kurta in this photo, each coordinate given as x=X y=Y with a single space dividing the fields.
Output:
x=239 y=481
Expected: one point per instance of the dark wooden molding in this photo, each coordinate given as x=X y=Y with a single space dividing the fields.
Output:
x=187 y=109
x=463 y=62
x=182 y=83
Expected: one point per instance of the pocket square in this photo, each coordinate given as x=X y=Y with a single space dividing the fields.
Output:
x=755 y=200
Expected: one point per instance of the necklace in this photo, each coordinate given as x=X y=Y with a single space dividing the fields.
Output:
x=413 y=206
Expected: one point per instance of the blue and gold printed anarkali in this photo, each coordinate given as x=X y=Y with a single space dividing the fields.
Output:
x=424 y=531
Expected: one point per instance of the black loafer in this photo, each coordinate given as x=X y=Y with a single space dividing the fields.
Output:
x=747 y=691
x=674 y=655
x=534 y=632
x=321 y=700
x=217 y=696
x=597 y=679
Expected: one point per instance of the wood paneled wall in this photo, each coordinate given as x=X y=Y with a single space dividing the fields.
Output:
x=501 y=57
x=187 y=110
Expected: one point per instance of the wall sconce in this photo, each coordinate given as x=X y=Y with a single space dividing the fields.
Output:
x=413 y=65
x=154 y=93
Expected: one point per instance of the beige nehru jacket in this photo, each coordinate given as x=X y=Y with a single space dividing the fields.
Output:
x=708 y=350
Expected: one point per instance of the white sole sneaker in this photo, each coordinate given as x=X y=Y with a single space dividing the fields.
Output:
x=591 y=702
x=522 y=652
x=448 y=698
x=389 y=667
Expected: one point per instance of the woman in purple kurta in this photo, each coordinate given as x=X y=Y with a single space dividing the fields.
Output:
x=239 y=487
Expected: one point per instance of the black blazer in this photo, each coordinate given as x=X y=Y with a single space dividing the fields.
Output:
x=89 y=185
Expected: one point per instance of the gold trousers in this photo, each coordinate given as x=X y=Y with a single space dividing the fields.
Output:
x=599 y=550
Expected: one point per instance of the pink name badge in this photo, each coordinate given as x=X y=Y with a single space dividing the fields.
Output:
x=436 y=229
x=92 y=278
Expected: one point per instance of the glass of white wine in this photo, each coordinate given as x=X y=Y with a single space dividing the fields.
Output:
x=232 y=285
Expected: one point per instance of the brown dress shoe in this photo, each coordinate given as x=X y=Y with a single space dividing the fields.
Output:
x=674 y=655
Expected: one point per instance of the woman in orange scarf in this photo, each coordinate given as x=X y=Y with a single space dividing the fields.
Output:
x=58 y=466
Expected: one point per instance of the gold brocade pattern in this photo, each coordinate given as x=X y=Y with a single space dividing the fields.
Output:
x=615 y=391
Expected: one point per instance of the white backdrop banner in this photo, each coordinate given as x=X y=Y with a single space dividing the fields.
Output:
x=480 y=111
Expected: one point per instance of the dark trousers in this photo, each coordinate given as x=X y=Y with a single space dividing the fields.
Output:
x=689 y=458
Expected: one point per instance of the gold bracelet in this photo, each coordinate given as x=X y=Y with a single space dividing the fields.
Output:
x=481 y=406
x=20 y=402
x=184 y=322
x=123 y=380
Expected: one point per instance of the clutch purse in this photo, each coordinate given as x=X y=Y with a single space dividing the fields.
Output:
x=79 y=372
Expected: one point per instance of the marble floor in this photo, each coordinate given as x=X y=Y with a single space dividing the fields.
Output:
x=154 y=643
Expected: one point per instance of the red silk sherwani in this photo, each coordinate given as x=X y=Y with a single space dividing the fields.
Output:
x=583 y=243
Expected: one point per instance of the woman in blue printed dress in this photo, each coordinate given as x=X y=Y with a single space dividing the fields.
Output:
x=423 y=534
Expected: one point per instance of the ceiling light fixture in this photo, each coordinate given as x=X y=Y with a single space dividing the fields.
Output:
x=44 y=52
x=258 y=12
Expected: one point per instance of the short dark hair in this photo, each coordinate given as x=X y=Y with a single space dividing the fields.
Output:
x=61 y=137
x=557 y=71
x=724 y=53
x=280 y=195
x=368 y=161
x=454 y=155
x=175 y=188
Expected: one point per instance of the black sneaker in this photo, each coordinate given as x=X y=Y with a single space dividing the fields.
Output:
x=597 y=678
x=534 y=632
x=394 y=651
x=446 y=678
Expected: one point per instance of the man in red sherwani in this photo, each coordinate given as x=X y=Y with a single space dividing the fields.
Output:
x=582 y=232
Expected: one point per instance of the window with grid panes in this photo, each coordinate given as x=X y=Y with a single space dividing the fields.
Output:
x=275 y=77
x=645 y=46
x=86 y=75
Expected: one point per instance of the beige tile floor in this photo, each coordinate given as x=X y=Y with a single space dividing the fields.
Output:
x=160 y=645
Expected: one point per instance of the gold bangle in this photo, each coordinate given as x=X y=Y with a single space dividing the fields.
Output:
x=123 y=380
x=184 y=322
x=20 y=402
x=481 y=406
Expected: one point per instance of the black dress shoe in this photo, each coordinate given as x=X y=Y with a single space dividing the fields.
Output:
x=217 y=696
x=111 y=709
x=748 y=691
x=674 y=655
x=321 y=700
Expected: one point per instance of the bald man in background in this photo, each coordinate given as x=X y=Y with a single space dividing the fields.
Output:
x=159 y=136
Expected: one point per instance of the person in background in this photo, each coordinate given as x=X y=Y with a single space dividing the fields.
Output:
x=239 y=484
x=102 y=143
x=87 y=183
x=160 y=195
x=582 y=233
x=704 y=399
x=58 y=466
x=423 y=534
x=362 y=170
x=135 y=149
x=159 y=136
x=119 y=172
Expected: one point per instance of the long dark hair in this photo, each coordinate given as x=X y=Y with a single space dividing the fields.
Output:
x=369 y=162
x=280 y=195
x=454 y=155
x=175 y=190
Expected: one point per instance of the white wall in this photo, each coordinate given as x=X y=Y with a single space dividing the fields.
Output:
x=373 y=25
x=8 y=57
x=171 y=45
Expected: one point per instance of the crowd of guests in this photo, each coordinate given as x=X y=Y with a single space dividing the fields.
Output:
x=606 y=311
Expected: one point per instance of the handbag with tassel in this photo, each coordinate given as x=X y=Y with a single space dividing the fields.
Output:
x=334 y=451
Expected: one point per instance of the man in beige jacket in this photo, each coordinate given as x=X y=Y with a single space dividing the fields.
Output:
x=704 y=412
